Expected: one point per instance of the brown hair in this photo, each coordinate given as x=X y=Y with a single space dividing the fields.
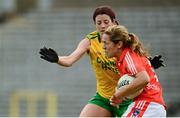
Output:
x=104 y=10
x=120 y=33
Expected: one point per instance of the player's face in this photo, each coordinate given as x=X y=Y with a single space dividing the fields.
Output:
x=102 y=22
x=111 y=49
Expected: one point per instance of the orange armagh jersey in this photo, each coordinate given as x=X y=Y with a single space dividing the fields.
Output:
x=105 y=68
x=130 y=63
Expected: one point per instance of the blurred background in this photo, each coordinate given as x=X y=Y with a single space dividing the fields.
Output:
x=33 y=87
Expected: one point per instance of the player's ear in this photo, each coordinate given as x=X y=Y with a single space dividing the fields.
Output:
x=120 y=44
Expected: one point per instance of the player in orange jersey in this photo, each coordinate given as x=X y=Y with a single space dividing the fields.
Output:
x=131 y=59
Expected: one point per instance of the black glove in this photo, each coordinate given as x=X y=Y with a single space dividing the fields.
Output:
x=156 y=61
x=49 y=55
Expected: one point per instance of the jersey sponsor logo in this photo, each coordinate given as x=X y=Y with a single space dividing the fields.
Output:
x=107 y=65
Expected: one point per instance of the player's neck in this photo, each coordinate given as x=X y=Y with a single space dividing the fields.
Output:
x=118 y=54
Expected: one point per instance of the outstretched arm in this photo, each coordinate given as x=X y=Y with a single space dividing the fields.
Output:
x=67 y=61
x=81 y=49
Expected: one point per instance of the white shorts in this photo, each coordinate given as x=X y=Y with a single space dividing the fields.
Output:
x=145 y=109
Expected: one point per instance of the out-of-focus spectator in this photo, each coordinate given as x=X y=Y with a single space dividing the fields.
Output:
x=7 y=10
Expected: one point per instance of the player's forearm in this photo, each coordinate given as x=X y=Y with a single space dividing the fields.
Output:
x=65 y=61
x=142 y=79
x=69 y=60
x=129 y=89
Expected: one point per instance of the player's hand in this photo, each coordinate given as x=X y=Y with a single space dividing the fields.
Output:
x=49 y=55
x=114 y=101
x=156 y=61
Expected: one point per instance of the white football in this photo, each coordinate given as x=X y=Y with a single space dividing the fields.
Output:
x=125 y=80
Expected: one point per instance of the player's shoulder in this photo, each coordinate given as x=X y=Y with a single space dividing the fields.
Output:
x=130 y=53
x=92 y=35
x=125 y=53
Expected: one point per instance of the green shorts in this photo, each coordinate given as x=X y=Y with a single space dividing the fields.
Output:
x=105 y=103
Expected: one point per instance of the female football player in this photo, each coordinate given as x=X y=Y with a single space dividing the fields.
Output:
x=131 y=59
